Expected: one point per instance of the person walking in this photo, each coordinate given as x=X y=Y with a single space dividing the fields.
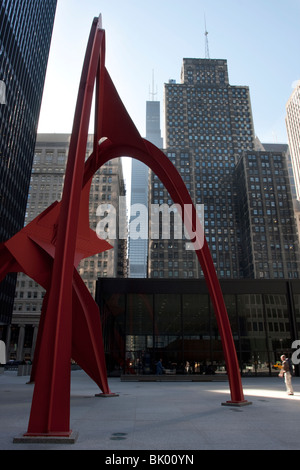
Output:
x=159 y=367
x=287 y=373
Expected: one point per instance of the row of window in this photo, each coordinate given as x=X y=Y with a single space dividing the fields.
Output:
x=50 y=158
x=171 y=273
x=34 y=307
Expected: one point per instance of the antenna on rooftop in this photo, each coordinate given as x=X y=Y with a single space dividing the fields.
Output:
x=206 y=40
x=152 y=93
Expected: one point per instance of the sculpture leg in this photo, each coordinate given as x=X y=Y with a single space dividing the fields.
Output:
x=50 y=410
x=87 y=341
x=38 y=341
x=231 y=361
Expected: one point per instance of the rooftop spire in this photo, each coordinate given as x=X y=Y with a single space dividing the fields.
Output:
x=206 y=40
x=152 y=93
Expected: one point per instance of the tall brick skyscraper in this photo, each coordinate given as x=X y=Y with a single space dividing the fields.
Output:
x=246 y=196
x=208 y=125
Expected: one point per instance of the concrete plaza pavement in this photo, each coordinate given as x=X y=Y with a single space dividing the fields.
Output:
x=161 y=416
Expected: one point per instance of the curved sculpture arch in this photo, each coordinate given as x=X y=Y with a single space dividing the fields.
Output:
x=50 y=248
x=159 y=163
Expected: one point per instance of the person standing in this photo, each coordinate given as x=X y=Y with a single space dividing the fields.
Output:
x=287 y=373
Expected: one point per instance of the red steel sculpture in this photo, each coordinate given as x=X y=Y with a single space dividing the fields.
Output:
x=50 y=247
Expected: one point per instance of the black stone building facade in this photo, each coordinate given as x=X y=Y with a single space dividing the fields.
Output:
x=25 y=37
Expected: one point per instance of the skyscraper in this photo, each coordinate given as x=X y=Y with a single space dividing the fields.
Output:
x=46 y=186
x=25 y=36
x=269 y=241
x=153 y=131
x=246 y=200
x=138 y=248
x=293 y=130
x=208 y=125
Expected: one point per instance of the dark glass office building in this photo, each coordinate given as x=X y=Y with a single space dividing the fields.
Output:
x=25 y=36
x=146 y=319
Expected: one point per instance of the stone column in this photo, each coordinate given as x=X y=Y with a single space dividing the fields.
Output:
x=8 y=336
x=20 y=343
x=35 y=333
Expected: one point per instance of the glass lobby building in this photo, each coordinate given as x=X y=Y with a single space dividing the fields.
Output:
x=145 y=320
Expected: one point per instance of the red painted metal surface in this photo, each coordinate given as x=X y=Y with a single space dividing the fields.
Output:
x=50 y=248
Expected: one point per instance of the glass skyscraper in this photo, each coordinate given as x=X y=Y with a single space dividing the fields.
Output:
x=25 y=36
x=153 y=131
x=138 y=248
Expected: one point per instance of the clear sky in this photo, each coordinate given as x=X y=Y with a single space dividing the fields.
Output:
x=259 y=38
